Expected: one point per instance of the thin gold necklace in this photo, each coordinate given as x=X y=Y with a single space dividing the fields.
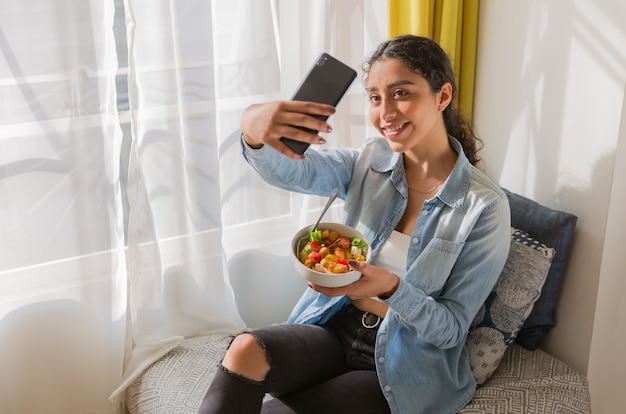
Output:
x=427 y=191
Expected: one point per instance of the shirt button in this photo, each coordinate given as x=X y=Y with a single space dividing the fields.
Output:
x=416 y=240
x=381 y=359
x=387 y=388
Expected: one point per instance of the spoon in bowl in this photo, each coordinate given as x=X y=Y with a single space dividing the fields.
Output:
x=332 y=198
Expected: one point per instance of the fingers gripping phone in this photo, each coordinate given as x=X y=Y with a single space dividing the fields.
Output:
x=327 y=82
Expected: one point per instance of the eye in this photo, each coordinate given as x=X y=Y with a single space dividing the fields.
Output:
x=399 y=93
x=373 y=98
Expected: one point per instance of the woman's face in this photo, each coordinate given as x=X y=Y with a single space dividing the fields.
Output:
x=402 y=106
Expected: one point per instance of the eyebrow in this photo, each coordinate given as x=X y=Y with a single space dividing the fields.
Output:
x=393 y=85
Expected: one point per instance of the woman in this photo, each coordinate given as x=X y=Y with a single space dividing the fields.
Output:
x=394 y=341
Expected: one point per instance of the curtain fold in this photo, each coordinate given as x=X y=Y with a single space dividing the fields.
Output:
x=178 y=286
x=62 y=265
x=451 y=23
x=189 y=186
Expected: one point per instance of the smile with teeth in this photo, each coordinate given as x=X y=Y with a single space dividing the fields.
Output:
x=394 y=128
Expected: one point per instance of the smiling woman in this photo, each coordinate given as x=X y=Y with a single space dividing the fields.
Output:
x=392 y=100
x=346 y=358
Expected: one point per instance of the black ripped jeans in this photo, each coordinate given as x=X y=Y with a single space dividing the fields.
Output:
x=313 y=369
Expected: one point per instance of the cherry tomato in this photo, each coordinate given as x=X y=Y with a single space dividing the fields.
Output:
x=315 y=256
x=315 y=246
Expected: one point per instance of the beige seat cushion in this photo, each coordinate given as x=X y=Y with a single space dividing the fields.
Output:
x=526 y=382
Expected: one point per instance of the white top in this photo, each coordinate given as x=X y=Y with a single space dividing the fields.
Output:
x=393 y=254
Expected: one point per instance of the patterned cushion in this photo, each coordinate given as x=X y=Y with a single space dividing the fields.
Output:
x=553 y=228
x=509 y=304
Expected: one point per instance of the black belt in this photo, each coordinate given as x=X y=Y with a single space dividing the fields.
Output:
x=368 y=319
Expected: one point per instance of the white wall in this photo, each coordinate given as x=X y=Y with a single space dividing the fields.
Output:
x=606 y=367
x=550 y=99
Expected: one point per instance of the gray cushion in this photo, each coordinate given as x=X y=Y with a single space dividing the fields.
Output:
x=554 y=229
x=508 y=305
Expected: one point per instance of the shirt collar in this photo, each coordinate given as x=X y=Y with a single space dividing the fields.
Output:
x=455 y=187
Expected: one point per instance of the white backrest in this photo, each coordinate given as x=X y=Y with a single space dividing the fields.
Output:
x=266 y=286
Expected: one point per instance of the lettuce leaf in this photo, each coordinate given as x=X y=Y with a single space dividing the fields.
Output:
x=316 y=235
x=358 y=242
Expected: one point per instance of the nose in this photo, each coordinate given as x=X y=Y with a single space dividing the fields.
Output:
x=387 y=110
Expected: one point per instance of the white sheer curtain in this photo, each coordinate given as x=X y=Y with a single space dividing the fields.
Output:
x=62 y=266
x=196 y=203
x=71 y=331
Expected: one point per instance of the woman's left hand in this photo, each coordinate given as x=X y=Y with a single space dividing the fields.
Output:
x=374 y=281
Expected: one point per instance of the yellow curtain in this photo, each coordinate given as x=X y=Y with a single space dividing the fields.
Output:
x=451 y=23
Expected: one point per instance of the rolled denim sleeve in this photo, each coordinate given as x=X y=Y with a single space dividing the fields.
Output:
x=319 y=173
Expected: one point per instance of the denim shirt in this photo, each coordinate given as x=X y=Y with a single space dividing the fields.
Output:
x=458 y=248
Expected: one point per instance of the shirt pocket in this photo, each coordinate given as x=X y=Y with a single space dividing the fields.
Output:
x=432 y=268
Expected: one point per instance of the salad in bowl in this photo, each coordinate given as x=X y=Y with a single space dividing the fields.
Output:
x=321 y=255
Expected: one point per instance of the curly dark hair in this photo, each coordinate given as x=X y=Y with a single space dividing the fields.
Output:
x=426 y=58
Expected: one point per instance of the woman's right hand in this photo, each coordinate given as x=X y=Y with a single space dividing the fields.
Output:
x=374 y=281
x=264 y=124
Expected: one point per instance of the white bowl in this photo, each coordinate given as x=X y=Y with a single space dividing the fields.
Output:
x=327 y=279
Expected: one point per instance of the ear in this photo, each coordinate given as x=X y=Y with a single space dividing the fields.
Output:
x=444 y=96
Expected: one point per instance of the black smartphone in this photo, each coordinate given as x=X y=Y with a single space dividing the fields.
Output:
x=327 y=82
